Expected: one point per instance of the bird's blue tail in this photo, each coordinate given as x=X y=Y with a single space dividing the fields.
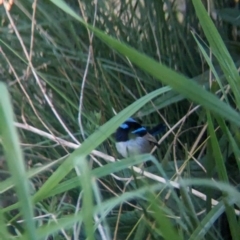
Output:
x=158 y=129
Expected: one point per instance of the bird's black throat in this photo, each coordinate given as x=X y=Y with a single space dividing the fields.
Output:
x=121 y=135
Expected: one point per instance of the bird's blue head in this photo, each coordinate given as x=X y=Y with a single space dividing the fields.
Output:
x=129 y=126
x=132 y=127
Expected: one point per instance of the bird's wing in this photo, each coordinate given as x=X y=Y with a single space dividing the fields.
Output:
x=151 y=138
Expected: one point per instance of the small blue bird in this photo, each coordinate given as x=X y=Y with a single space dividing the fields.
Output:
x=132 y=138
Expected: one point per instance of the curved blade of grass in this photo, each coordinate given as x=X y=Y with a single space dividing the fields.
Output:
x=219 y=49
x=3 y=227
x=219 y=161
x=189 y=205
x=207 y=222
x=233 y=222
x=97 y=173
x=177 y=81
x=15 y=160
x=87 y=204
x=230 y=15
x=213 y=70
x=165 y=225
x=9 y=182
x=231 y=139
x=101 y=172
x=222 y=173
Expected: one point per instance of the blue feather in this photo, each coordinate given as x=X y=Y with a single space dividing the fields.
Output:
x=124 y=126
x=157 y=130
x=140 y=130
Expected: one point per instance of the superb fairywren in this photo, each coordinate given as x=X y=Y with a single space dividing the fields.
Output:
x=132 y=138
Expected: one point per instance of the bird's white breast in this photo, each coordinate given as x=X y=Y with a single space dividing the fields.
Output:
x=132 y=147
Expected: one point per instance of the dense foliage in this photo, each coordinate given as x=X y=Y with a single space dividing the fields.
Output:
x=72 y=72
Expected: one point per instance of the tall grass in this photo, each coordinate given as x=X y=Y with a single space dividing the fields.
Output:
x=74 y=72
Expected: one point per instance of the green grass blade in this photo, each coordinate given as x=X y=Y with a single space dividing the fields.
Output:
x=210 y=64
x=222 y=173
x=4 y=234
x=219 y=49
x=87 y=208
x=15 y=160
x=165 y=225
x=232 y=140
x=9 y=182
x=219 y=160
x=207 y=222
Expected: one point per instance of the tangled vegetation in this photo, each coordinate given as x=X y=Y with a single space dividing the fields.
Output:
x=72 y=72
